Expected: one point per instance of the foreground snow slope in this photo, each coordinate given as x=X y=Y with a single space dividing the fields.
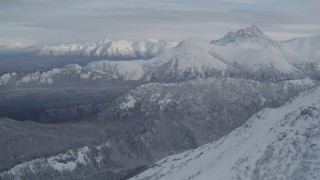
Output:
x=282 y=143
x=141 y=127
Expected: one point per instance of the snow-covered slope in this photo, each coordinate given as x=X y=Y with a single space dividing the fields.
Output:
x=189 y=59
x=282 y=143
x=253 y=50
x=245 y=37
x=308 y=48
x=246 y=53
x=208 y=108
x=308 y=51
x=79 y=163
x=110 y=49
x=144 y=125
x=156 y=119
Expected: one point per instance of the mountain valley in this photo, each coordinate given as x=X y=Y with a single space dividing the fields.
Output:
x=141 y=101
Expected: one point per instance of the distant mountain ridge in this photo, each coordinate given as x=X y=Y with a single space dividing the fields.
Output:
x=246 y=53
x=307 y=47
x=110 y=49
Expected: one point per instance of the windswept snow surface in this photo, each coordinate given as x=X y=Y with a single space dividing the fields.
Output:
x=281 y=143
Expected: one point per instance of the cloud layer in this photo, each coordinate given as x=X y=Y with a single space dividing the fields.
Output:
x=59 y=21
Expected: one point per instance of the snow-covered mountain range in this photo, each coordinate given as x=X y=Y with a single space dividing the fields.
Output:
x=281 y=143
x=110 y=49
x=175 y=97
x=246 y=53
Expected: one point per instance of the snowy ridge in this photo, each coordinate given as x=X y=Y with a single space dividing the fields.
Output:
x=127 y=70
x=308 y=51
x=308 y=48
x=66 y=162
x=246 y=53
x=110 y=49
x=168 y=95
x=80 y=158
x=274 y=144
x=100 y=70
x=191 y=58
x=244 y=36
x=252 y=49
x=198 y=105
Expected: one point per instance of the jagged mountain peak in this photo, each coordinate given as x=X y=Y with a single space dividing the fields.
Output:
x=252 y=31
x=251 y=48
x=249 y=34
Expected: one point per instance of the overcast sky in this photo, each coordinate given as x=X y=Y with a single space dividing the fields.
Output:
x=63 y=21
